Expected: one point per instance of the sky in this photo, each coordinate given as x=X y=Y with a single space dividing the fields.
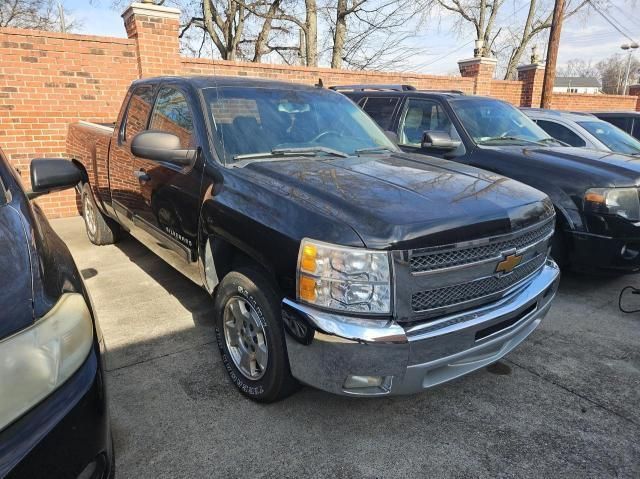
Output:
x=588 y=37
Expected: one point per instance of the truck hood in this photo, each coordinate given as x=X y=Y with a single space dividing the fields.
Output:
x=606 y=168
x=16 y=295
x=403 y=201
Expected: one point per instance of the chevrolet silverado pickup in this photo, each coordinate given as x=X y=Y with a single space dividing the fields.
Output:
x=333 y=258
x=596 y=194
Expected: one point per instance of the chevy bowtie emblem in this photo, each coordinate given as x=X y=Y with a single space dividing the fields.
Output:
x=508 y=264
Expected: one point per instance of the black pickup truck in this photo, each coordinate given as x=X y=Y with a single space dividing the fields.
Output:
x=595 y=193
x=331 y=256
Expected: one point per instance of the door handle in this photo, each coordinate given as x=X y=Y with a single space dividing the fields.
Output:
x=142 y=176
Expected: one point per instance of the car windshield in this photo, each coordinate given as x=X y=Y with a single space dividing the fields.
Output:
x=613 y=137
x=493 y=122
x=251 y=123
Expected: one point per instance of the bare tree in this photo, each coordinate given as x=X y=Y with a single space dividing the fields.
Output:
x=612 y=72
x=538 y=20
x=34 y=14
x=503 y=33
x=373 y=33
x=481 y=14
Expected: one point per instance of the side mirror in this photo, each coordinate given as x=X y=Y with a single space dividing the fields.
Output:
x=439 y=140
x=162 y=147
x=53 y=174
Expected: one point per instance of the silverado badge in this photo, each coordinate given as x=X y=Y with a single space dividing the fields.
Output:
x=508 y=264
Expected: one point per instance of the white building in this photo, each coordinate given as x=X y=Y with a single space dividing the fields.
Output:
x=576 y=85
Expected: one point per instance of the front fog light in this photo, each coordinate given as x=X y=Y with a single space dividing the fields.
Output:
x=357 y=382
x=36 y=361
x=344 y=278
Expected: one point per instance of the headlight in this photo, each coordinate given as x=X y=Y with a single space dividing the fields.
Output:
x=614 y=201
x=36 y=361
x=345 y=279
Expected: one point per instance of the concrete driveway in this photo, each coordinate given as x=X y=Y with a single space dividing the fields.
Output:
x=565 y=403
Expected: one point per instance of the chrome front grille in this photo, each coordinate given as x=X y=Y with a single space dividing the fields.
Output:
x=432 y=259
x=461 y=293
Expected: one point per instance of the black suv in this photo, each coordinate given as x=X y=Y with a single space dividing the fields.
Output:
x=628 y=121
x=595 y=193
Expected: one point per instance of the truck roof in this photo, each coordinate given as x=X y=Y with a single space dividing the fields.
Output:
x=213 y=81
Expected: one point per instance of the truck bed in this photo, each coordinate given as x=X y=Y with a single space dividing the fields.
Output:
x=88 y=144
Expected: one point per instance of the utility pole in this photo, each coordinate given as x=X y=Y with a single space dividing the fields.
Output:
x=552 y=54
x=63 y=26
x=630 y=47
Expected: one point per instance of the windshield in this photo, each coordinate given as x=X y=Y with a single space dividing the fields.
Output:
x=275 y=122
x=613 y=137
x=495 y=122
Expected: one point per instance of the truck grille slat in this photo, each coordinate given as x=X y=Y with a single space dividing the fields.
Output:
x=446 y=257
x=460 y=293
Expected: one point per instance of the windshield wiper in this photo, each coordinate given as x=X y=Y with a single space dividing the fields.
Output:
x=284 y=152
x=373 y=149
x=512 y=138
x=309 y=150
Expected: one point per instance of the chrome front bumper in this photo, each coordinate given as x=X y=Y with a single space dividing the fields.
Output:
x=325 y=349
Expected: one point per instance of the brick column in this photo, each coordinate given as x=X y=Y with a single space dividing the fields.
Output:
x=481 y=69
x=155 y=31
x=634 y=90
x=532 y=78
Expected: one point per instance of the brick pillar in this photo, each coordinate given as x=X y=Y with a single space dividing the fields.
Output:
x=155 y=30
x=481 y=69
x=532 y=78
x=634 y=90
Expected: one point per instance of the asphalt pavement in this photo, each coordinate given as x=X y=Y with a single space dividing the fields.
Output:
x=565 y=403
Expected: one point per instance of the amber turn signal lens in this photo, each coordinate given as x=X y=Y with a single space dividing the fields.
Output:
x=307 y=288
x=595 y=198
x=308 y=260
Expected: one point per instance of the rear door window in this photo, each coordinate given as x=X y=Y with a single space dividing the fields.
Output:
x=561 y=132
x=381 y=109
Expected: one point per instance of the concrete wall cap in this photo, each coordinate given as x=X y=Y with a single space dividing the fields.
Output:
x=531 y=66
x=478 y=61
x=151 y=10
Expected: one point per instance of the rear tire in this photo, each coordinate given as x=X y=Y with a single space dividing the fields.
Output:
x=101 y=230
x=250 y=335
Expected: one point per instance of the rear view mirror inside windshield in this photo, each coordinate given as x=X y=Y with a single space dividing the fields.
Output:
x=288 y=107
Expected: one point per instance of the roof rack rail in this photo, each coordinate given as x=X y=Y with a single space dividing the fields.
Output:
x=453 y=92
x=375 y=87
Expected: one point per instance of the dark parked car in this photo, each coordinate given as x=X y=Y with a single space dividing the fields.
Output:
x=628 y=121
x=595 y=193
x=331 y=256
x=53 y=413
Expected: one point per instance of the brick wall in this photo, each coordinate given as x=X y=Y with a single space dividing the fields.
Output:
x=310 y=75
x=48 y=80
x=586 y=102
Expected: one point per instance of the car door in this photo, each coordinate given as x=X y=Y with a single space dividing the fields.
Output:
x=124 y=167
x=167 y=218
x=420 y=115
x=159 y=202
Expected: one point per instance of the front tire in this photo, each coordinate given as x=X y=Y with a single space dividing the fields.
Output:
x=250 y=336
x=100 y=229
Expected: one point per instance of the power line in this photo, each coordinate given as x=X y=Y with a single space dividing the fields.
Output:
x=420 y=66
x=609 y=21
